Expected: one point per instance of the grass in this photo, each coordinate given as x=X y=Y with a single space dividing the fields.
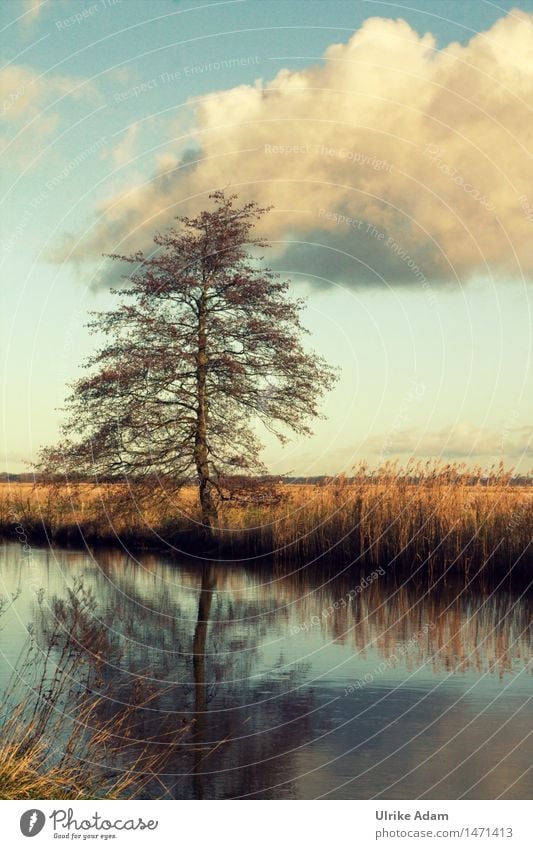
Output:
x=28 y=770
x=433 y=517
x=58 y=740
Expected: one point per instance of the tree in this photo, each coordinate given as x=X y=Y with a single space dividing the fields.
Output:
x=203 y=342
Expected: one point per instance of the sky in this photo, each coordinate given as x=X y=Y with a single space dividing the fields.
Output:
x=393 y=140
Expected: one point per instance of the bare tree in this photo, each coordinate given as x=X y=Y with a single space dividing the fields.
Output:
x=202 y=344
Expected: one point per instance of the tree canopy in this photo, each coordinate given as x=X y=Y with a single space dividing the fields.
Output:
x=203 y=344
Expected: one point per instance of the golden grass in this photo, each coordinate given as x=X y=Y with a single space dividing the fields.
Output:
x=27 y=770
x=57 y=739
x=436 y=515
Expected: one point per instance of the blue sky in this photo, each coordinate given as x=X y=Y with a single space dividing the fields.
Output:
x=393 y=144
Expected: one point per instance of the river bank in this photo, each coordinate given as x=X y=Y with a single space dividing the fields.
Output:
x=446 y=521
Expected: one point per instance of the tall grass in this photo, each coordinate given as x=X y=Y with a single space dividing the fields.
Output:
x=430 y=516
x=56 y=741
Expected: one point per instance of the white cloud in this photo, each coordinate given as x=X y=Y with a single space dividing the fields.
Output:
x=458 y=441
x=25 y=96
x=124 y=151
x=33 y=9
x=432 y=148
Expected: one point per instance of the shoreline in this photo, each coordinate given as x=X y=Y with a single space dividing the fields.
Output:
x=193 y=550
x=444 y=524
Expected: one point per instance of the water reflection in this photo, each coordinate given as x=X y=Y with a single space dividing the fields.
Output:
x=302 y=685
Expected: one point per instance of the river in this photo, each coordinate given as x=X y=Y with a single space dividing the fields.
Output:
x=300 y=683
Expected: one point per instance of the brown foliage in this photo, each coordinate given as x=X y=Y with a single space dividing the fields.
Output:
x=203 y=344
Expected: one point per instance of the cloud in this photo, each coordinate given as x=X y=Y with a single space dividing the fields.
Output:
x=33 y=10
x=123 y=152
x=429 y=147
x=455 y=442
x=25 y=98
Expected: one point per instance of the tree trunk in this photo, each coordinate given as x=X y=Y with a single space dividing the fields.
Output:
x=200 y=679
x=201 y=454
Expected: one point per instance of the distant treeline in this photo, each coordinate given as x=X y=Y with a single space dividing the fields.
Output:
x=473 y=477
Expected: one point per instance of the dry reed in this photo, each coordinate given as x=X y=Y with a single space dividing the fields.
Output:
x=58 y=740
x=433 y=515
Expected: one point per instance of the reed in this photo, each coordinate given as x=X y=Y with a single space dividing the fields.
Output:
x=424 y=517
x=59 y=739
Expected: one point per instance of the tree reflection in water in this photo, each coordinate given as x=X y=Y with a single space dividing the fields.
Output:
x=254 y=664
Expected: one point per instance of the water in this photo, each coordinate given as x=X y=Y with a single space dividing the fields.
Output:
x=300 y=685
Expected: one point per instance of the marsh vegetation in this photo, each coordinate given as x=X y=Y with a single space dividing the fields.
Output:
x=430 y=519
